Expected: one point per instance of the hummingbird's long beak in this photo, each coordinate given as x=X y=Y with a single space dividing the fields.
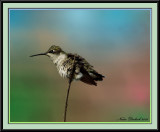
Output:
x=38 y=54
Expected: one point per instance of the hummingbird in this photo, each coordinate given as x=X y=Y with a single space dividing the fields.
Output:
x=64 y=63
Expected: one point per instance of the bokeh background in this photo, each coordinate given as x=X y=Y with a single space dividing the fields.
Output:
x=115 y=42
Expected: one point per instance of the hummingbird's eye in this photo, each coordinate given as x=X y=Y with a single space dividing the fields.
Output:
x=51 y=51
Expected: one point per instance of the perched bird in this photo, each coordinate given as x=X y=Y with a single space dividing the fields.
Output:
x=64 y=63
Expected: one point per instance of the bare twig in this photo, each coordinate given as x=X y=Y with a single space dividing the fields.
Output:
x=70 y=81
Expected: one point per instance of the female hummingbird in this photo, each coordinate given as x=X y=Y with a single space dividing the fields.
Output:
x=64 y=63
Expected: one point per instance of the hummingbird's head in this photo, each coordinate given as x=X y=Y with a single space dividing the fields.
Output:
x=52 y=52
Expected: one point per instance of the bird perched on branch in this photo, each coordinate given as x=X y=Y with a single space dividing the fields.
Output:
x=64 y=63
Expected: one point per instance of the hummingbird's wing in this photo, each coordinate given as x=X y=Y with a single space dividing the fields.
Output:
x=86 y=78
x=80 y=60
x=85 y=69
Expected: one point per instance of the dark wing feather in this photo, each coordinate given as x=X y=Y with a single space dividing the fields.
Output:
x=87 y=78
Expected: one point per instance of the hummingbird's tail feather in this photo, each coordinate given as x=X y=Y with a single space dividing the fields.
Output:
x=96 y=76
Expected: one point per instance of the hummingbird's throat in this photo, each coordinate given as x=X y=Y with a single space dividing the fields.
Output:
x=58 y=59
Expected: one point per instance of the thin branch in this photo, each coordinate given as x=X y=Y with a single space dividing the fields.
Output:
x=70 y=81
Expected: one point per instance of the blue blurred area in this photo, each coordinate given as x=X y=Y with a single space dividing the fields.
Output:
x=108 y=28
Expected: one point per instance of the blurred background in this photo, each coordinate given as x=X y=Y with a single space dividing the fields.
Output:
x=115 y=42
